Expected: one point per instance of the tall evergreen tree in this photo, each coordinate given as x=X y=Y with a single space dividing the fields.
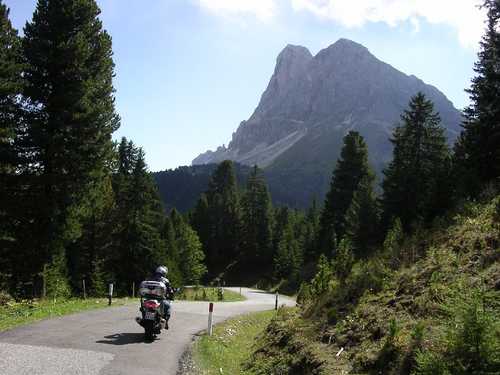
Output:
x=288 y=258
x=69 y=72
x=418 y=178
x=477 y=152
x=173 y=257
x=363 y=220
x=220 y=226
x=190 y=250
x=257 y=215
x=11 y=203
x=139 y=244
x=351 y=168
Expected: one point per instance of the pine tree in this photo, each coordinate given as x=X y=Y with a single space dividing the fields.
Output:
x=191 y=255
x=289 y=258
x=12 y=204
x=343 y=260
x=312 y=225
x=69 y=72
x=257 y=222
x=324 y=274
x=362 y=220
x=139 y=244
x=351 y=168
x=477 y=151
x=173 y=257
x=418 y=178
x=218 y=221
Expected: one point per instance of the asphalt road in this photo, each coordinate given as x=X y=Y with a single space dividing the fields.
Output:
x=110 y=342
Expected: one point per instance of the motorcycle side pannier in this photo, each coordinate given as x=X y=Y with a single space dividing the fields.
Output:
x=153 y=288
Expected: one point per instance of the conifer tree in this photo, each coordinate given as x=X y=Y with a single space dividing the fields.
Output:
x=139 y=244
x=257 y=221
x=477 y=151
x=351 y=168
x=190 y=255
x=312 y=225
x=343 y=260
x=68 y=74
x=418 y=178
x=220 y=226
x=173 y=257
x=362 y=220
x=289 y=258
x=11 y=202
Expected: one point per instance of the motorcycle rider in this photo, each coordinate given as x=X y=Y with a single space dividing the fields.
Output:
x=160 y=275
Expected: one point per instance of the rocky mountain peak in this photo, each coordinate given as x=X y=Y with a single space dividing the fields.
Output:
x=312 y=101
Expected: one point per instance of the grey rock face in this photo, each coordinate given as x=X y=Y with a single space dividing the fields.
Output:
x=344 y=87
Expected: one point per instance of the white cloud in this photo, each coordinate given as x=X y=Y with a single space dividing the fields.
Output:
x=462 y=15
x=264 y=10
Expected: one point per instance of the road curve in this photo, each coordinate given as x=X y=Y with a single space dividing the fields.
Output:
x=110 y=342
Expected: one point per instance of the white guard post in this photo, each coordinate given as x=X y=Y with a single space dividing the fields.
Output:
x=110 y=296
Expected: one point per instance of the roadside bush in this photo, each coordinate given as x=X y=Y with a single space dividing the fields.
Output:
x=56 y=280
x=471 y=341
x=304 y=294
x=5 y=298
x=321 y=281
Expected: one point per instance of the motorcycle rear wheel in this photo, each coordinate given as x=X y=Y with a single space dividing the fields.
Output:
x=148 y=330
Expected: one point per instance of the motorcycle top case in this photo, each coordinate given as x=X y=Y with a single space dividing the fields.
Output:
x=153 y=288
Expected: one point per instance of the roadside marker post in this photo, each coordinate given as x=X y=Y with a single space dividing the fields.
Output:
x=110 y=296
x=84 y=290
x=276 y=303
x=210 y=321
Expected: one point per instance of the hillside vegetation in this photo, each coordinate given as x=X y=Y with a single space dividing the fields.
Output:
x=427 y=304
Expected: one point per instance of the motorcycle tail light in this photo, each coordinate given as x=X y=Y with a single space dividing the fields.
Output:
x=151 y=304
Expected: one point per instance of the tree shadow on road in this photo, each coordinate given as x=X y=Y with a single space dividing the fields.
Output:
x=124 y=339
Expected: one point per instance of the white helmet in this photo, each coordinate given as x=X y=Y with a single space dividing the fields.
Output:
x=162 y=270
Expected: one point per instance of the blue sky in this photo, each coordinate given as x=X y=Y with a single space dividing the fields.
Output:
x=189 y=71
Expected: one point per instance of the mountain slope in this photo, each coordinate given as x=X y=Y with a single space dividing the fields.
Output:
x=310 y=103
x=434 y=309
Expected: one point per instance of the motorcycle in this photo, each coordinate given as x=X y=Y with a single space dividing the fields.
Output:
x=152 y=293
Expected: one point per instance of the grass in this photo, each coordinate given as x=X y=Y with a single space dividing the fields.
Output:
x=209 y=294
x=14 y=314
x=231 y=344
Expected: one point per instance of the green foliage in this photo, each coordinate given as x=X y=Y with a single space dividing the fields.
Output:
x=430 y=363
x=12 y=199
x=470 y=344
x=71 y=118
x=99 y=280
x=393 y=242
x=417 y=181
x=231 y=344
x=288 y=259
x=191 y=255
x=477 y=155
x=343 y=260
x=362 y=220
x=28 y=311
x=351 y=169
x=56 y=279
x=257 y=217
x=304 y=294
x=217 y=219
x=321 y=282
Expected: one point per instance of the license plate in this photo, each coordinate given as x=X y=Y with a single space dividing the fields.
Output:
x=149 y=315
